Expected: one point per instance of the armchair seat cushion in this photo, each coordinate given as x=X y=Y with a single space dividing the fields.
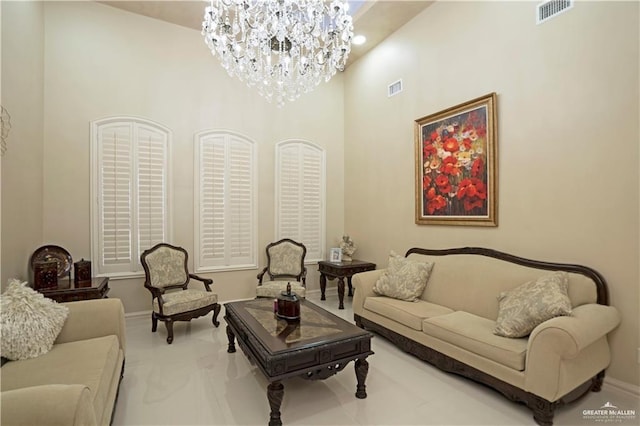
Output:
x=273 y=289
x=185 y=300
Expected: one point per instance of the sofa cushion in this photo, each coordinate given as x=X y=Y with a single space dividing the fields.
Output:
x=475 y=334
x=91 y=362
x=30 y=322
x=404 y=279
x=410 y=314
x=530 y=304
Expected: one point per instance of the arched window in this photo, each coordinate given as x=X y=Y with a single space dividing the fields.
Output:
x=130 y=197
x=300 y=195
x=225 y=201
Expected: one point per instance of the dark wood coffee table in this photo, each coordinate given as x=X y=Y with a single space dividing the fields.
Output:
x=315 y=348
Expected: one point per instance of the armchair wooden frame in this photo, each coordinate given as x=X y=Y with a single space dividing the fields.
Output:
x=301 y=277
x=158 y=292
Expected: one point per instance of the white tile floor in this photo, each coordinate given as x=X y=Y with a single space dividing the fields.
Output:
x=195 y=381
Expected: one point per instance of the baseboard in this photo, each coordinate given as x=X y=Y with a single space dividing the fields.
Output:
x=620 y=386
x=137 y=314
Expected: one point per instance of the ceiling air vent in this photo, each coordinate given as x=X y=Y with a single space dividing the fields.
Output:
x=551 y=8
x=394 y=88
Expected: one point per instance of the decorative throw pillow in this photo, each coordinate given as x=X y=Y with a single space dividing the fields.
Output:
x=29 y=323
x=403 y=279
x=525 y=307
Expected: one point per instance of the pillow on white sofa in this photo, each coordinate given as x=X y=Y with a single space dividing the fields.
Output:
x=532 y=303
x=29 y=323
x=403 y=279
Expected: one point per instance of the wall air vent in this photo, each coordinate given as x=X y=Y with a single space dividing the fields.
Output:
x=394 y=88
x=551 y=8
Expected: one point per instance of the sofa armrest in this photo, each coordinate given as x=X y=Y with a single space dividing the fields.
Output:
x=564 y=352
x=363 y=286
x=48 y=405
x=568 y=335
x=94 y=318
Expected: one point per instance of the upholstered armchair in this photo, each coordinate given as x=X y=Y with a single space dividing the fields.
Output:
x=285 y=264
x=167 y=278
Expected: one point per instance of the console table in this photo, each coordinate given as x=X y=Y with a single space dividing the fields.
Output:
x=67 y=291
x=341 y=270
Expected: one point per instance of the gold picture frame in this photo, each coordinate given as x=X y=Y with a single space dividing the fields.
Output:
x=456 y=165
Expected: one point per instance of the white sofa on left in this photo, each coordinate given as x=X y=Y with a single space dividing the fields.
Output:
x=77 y=381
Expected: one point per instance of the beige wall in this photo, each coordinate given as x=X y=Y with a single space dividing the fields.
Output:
x=568 y=138
x=22 y=95
x=100 y=61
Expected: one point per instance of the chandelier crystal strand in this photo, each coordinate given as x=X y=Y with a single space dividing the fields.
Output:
x=284 y=48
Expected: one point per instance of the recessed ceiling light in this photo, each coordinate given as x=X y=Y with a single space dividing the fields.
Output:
x=359 y=39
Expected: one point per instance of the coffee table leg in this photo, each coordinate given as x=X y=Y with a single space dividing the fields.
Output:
x=350 y=286
x=275 y=393
x=341 y=292
x=232 y=340
x=323 y=285
x=362 y=368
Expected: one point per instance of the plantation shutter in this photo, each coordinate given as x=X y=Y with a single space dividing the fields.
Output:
x=115 y=188
x=225 y=202
x=300 y=196
x=151 y=188
x=130 y=174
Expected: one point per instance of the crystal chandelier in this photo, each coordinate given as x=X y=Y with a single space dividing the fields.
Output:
x=283 y=47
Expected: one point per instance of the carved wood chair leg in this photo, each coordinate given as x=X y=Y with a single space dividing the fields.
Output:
x=216 y=311
x=154 y=322
x=169 y=325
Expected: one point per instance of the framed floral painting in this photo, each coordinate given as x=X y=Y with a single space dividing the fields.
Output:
x=456 y=165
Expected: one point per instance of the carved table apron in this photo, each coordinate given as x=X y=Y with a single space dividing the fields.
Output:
x=315 y=348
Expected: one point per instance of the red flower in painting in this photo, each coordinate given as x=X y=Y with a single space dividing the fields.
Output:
x=477 y=167
x=426 y=181
x=451 y=145
x=435 y=202
x=443 y=184
x=449 y=166
x=466 y=142
x=473 y=192
x=434 y=136
x=428 y=149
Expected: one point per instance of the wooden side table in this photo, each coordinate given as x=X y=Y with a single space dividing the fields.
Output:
x=67 y=291
x=341 y=270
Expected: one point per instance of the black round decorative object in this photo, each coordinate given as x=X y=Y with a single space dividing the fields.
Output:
x=288 y=305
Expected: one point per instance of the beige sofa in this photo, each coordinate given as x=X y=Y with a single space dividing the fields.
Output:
x=76 y=383
x=451 y=326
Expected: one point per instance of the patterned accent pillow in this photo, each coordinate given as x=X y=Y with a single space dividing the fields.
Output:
x=403 y=279
x=29 y=323
x=525 y=307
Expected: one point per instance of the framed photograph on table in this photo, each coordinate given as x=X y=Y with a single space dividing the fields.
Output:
x=335 y=255
x=456 y=165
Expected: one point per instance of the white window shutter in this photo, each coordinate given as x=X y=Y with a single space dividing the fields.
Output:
x=211 y=208
x=151 y=188
x=115 y=186
x=240 y=226
x=225 y=204
x=300 y=195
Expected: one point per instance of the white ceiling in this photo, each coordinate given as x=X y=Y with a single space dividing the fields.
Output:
x=375 y=19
